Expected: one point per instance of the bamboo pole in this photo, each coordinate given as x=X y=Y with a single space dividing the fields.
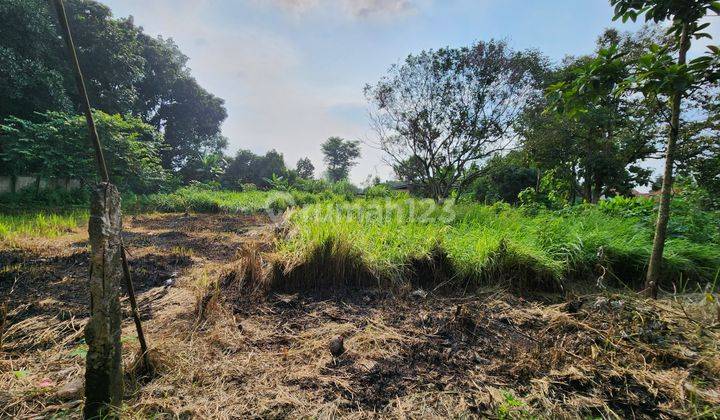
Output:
x=102 y=167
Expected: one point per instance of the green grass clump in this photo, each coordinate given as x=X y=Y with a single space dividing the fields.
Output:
x=40 y=224
x=485 y=244
x=204 y=200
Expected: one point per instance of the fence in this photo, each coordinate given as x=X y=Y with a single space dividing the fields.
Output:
x=24 y=182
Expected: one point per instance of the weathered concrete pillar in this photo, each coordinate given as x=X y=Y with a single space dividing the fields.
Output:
x=103 y=370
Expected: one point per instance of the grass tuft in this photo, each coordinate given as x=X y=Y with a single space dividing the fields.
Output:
x=383 y=241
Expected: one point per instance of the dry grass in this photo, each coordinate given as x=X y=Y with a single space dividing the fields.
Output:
x=407 y=356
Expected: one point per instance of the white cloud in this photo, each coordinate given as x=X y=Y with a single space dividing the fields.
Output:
x=360 y=9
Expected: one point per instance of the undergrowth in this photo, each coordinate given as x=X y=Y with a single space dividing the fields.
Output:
x=466 y=245
x=40 y=223
x=204 y=200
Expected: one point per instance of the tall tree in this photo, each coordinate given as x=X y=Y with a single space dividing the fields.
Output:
x=32 y=75
x=596 y=144
x=248 y=168
x=340 y=156
x=304 y=168
x=664 y=81
x=667 y=80
x=444 y=110
x=126 y=72
x=502 y=178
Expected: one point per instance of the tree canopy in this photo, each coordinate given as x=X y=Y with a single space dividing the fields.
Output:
x=340 y=156
x=56 y=146
x=248 y=168
x=126 y=72
x=443 y=110
x=304 y=168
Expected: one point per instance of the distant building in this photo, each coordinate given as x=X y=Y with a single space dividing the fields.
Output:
x=398 y=186
x=652 y=194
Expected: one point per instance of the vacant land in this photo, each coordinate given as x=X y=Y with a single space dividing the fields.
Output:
x=223 y=349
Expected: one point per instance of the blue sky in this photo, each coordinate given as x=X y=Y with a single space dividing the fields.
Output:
x=292 y=71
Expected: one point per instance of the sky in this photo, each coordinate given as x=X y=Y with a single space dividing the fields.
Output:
x=292 y=72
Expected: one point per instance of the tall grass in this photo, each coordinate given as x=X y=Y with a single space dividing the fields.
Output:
x=481 y=244
x=205 y=200
x=40 y=223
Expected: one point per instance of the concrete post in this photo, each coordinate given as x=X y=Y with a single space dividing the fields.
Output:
x=103 y=370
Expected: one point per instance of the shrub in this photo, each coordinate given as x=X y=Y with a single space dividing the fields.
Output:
x=378 y=191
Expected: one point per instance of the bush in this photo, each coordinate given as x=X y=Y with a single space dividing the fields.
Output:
x=635 y=207
x=378 y=191
x=51 y=198
x=248 y=186
x=345 y=188
x=57 y=147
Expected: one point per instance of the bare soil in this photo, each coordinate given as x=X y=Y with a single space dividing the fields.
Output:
x=418 y=355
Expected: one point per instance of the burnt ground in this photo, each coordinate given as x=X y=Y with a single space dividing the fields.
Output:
x=491 y=354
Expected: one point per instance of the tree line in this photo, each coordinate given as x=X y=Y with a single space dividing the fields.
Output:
x=159 y=126
x=130 y=76
x=487 y=121
x=581 y=129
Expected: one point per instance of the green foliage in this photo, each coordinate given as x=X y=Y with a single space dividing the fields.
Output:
x=502 y=178
x=311 y=185
x=263 y=171
x=345 y=189
x=204 y=199
x=54 y=198
x=204 y=168
x=498 y=243
x=304 y=168
x=340 y=156
x=126 y=72
x=590 y=136
x=378 y=191
x=511 y=407
x=57 y=146
x=689 y=221
x=40 y=223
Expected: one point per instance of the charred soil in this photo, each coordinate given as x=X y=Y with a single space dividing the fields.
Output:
x=225 y=351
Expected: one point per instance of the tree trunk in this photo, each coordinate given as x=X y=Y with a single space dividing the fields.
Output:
x=103 y=370
x=587 y=187
x=573 y=186
x=655 y=264
x=597 y=191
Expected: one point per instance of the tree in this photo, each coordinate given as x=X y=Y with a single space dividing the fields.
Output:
x=32 y=75
x=56 y=147
x=204 y=167
x=502 y=178
x=239 y=169
x=304 y=168
x=190 y=122
x=248 y=168
x=340 y=156
x=443 y=110
x=595 y=145
x=667 y=81
x=126 y=72
x=661 y=79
